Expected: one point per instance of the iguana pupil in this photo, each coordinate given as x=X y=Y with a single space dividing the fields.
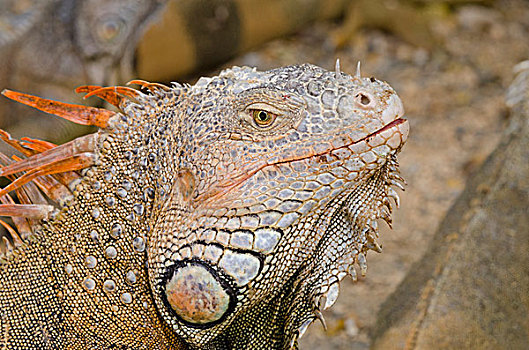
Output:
x=263 y=118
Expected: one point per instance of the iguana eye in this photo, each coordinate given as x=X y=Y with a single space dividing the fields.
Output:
x=263 y=118
x=109 y=29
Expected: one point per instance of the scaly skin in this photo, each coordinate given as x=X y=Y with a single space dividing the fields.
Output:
x=217 y=216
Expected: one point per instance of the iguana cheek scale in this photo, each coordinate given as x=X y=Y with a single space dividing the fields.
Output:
x=220 y=216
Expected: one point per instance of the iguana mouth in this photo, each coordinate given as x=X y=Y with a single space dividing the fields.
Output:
x=394 y=124
x=398 y=121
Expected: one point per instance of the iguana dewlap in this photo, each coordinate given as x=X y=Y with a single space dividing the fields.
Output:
x=219 y=216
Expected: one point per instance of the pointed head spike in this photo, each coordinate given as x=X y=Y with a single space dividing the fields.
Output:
x=352 y=272
x=358 y=74
x=75 y=113
x=337 y=69
x=320 y=318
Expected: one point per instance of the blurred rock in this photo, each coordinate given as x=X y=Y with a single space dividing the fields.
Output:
x=470 y=290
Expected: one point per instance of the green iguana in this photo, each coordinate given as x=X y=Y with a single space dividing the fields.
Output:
x=216 y=216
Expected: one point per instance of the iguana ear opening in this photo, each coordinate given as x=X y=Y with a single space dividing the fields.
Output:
x=186 y=183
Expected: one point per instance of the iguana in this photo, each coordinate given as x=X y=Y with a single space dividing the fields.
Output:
x=216 y=216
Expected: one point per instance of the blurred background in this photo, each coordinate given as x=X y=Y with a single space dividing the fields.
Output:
x=449 y=60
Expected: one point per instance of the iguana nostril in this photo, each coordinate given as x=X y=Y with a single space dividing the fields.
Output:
x=197 y=295
x=363 y=99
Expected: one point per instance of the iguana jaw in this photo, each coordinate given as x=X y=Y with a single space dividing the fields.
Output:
x=349 y=221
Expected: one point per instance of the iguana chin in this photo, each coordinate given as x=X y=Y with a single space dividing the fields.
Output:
x=216 y=216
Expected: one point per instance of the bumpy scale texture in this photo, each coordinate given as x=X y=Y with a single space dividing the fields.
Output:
x=216 y=216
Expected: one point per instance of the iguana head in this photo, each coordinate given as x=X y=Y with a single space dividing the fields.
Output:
x=271 y=186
